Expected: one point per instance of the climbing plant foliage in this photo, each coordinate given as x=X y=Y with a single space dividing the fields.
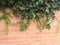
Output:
x=30 y=10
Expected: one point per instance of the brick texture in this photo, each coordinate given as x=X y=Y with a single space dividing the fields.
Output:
x=31 y=36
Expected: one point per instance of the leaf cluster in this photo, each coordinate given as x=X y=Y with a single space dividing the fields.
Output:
x=32 y=9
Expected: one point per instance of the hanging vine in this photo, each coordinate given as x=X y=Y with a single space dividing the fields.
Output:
x=30 y=9
x=5 y=17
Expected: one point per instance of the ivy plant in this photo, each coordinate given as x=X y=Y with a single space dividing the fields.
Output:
x=31 y=9
x=5 y=17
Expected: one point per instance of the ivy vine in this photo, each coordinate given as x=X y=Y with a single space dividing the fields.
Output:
x=30 y=9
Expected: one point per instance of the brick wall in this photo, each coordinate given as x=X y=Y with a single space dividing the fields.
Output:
x=32 y=36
